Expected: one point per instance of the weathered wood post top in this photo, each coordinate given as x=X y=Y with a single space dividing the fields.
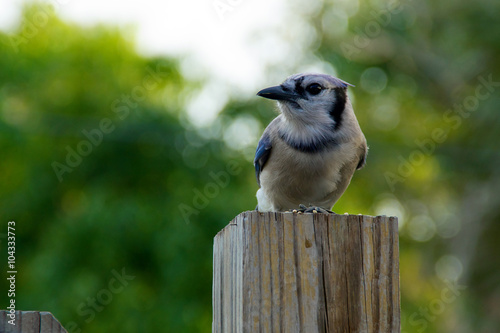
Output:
x=289 y=272
x=29 y=322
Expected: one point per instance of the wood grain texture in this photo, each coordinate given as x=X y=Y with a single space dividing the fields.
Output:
x=30 y=322
x=283 y=272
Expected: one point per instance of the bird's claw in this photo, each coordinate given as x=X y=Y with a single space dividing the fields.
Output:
x=312 y=209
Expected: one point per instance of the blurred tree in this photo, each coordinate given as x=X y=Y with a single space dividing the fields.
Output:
x=96 y=166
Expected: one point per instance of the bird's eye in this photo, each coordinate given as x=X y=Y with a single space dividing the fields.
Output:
x=314 y=88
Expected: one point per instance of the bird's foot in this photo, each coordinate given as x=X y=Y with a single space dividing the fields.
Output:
x=311 y=209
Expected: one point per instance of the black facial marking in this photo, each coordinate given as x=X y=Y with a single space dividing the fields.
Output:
x=298 y=87
x=310 y=147
x=285 y=88
x=339 y=106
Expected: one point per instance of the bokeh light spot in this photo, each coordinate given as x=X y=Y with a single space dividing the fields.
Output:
x=421 y=228
x=373 y=80
x=449 y=268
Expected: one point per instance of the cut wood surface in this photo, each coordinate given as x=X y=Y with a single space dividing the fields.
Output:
x=288 y=272
x=30 y=322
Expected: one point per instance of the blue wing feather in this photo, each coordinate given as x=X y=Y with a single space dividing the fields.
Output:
x=262 y=155
x=362 y=159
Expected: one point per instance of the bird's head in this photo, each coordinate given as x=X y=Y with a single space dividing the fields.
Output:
x=310 y=98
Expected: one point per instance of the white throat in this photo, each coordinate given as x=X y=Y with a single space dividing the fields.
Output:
x=305 y=126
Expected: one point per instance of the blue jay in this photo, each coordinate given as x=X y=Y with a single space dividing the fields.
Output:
x=308 y=153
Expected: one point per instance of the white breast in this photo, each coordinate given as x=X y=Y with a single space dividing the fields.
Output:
x=291 y=177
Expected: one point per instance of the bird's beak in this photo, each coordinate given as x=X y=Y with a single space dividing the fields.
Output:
x=279 y=94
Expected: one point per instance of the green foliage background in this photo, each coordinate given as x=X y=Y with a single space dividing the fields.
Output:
x=120 y=207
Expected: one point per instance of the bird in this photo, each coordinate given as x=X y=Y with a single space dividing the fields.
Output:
x=308 y=154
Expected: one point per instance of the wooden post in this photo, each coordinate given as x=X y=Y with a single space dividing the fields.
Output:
x=30 y=322
x=288 y=272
